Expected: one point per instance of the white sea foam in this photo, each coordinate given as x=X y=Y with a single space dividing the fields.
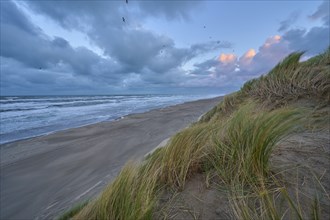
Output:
x=24 y=117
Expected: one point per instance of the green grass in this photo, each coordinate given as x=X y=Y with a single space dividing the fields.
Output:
x=131 y=196
x=241 y=158
x=286 y=82
x=236 y=139
x=243 y=150
x=183 y=156
x=72 y=211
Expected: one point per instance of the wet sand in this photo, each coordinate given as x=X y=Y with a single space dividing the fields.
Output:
x=42 y=177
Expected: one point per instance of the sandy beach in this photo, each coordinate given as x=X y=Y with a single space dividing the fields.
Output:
x=43 y=176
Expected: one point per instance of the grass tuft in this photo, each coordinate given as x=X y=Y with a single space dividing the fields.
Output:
x=236 y=140
x=288 y=81
x=72 y=211
x=242 y=152
x=131 y=196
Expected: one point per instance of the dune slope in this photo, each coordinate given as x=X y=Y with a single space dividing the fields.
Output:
x=262 y=153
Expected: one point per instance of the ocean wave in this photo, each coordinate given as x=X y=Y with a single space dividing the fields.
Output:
x=29 y=116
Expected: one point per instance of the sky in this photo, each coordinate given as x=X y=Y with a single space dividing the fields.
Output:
x=151 y=47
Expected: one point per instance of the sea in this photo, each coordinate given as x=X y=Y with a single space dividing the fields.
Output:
x=24 y=117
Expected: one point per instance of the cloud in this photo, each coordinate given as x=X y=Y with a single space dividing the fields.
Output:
x=249 y=54
x=38 y=52
x=11 y=16
x=209 y=46
x=17 y=79
x=246 y=59
x=32 y=61
x=254 y=63
x=122 y=41
x=73 y=14
x=271 y=40
x=229 y=69
x=322 y=13
x=313 y=41
x=79 y=14
x=56 y=65
x=227 y=58
x=180 y=10
x=285 y=24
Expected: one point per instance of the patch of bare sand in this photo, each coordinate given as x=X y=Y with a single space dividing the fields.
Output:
x=302 y=162
x=200 y=199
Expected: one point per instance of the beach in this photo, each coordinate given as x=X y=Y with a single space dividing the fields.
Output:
x=43 y=176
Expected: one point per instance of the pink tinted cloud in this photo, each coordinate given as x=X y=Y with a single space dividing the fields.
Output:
x=246 y=59
x=227 y=58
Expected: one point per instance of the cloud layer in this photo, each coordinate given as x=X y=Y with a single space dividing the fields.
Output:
x=134 y=58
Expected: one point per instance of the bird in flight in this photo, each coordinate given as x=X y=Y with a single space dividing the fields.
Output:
x=123 y=19
x=126 y=1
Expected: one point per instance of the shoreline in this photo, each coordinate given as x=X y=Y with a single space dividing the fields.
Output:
x=9 y=155
x=96 y=122
x=66 y=167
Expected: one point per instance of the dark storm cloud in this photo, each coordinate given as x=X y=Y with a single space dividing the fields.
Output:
x=10 y=15
x=16 y=76
x=18 y=79
x=75 y=14
x=39 y=52
x=135 y=48
x=142 y=54
x=135 y=56
x=60 y=43
x=30 y=59
x=285 y=24
x=71 y=13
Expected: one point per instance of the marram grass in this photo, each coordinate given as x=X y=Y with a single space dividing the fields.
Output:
x=288 y=81
x=241 y=159
x=236 y=139
x=131 y=196
x=242 y=152
x=184 y=155
x=73 y=211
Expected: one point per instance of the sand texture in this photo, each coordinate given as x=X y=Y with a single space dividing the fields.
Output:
x=42 y=177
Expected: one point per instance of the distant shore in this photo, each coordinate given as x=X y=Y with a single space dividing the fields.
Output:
x=65 y=167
